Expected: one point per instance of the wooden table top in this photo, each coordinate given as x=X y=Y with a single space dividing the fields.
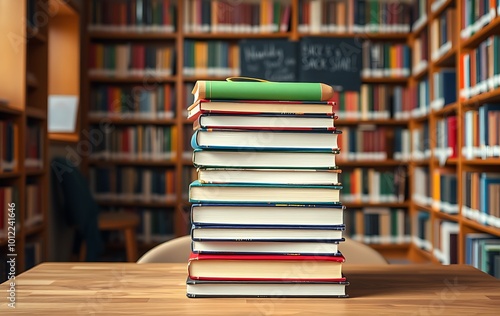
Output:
x=160 y=289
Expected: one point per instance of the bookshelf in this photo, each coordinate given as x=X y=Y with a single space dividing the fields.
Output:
x=423 y=116
x=24 y=171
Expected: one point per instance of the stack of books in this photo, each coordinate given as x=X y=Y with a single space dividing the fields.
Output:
x=267 y=219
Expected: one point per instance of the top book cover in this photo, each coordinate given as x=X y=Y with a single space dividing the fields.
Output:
x=262 y=90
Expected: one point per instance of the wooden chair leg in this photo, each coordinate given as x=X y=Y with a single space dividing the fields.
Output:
x=131 y=244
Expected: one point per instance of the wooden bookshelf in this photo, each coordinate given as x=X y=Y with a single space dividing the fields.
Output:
x=449 y=59
x=23 y=85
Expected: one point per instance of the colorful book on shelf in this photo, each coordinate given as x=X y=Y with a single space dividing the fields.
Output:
x=265 y=267
x=265 y=122
x=244 y=107
x=276 y=176
x=268 y=214
x=299 y=159
x=261 y=289
x=257 y=90
x=269 y=140
x=263 y=193
x=251 y=233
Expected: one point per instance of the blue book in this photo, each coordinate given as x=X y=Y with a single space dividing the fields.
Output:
x=273 y=215
x=267 y=233
x=263 y=193
x=317 y=141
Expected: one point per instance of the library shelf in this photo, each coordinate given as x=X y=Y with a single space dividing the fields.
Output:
x=438 y=7
x=33 y=172
x=480 y=99
x=420 y=162
x=36 y=113
x=390 y=246
x=63 y=137
x=235 y=36
x=31 y=81
x=133 y=162
x=110 y=35
x=201 y=77
x=423 y=207
x=187 y=121
x=421 y=73
x=481 y=227
x=386 y=80
x=482 y=162
x=147 y=79
x=492 y=28
x=9 y=175
x=10 y=110
x=187 y=162
x=33 y=35
x=370 y=163
x=420 y=255
x=377 y=204
x=447 y=216
x=446 y=110
x=421 y=118
x=138 y=204
x=419 y=26
x=380 y=122
x=381 y=36
x=448 y=59
x=33 y=229
x=131 y=121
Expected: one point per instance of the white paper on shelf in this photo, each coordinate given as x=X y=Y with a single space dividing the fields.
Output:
x=62 y=113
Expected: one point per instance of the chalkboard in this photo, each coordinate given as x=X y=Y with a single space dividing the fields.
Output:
x=334 y=61
x=273 y=59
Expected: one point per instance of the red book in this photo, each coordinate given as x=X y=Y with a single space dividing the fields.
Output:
x=259 y=107
x=265 y=267
x=452 y=135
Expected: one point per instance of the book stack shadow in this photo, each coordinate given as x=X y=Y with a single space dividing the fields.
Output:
x=266 y=216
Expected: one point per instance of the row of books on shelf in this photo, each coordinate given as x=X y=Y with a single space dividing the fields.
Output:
x=33 y=213
x=147 y=142
x=378 y=225
x=129 y=184
x=476 y=15
x=481 y=194
x=443 y=33
x=445 y=88
x=374 y=102
x=480 y=68
x=382 y=60
x=445 y=244
x=34 y=146
x=8 y=135
x=152 y=101
x=421 y=143
x=422 y=190
x=8 y=195
x=420 y=53
x=369 y=142
x=482 y=251
x=133 y=16
x=369 y=185
x=131 y=59
x=365 y=16
x=419 y=14
x=202 y=16
x=211 y=58
x=446 y=143
x=481 y=130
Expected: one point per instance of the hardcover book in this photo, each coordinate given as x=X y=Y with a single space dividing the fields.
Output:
x=242 y=107
x=265 y=267
x=239 y=288
x=299 y=159
x=283 y=215
x=249 y=193
x=270 y=140
x=265 y=122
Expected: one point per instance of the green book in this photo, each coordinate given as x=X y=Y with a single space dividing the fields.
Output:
x=257 y=90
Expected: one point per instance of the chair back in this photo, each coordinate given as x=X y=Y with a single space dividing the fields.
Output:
x=78 y=202
x=176 y=250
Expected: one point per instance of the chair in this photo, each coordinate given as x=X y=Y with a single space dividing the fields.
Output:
x=359 y=253
x=176 y=250
x=83 y=212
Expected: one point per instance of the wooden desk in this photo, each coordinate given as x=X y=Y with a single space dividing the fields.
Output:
x=133 y=289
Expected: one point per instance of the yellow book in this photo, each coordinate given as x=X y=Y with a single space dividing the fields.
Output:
x=436 y=186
